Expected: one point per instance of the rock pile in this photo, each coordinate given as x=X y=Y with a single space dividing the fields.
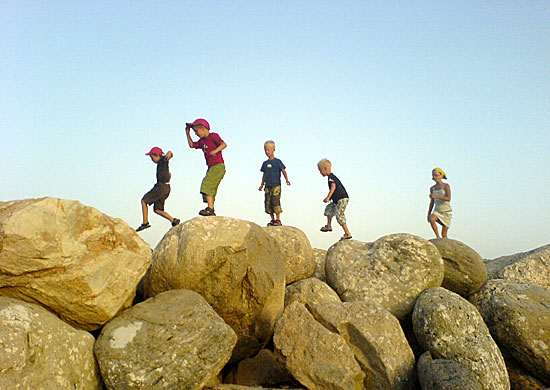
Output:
x=230 y=305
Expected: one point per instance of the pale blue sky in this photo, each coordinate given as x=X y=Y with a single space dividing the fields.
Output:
x=386 y=90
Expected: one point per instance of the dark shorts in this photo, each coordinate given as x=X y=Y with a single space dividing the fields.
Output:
x=157 y=195
x=273 y=200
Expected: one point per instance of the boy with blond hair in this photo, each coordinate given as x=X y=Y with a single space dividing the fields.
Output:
x=338 y=198
x=272 y=169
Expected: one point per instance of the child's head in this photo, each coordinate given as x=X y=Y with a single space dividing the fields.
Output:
x=324 y=167
x=438 y=174
x=155 y=154
x=201 y=127
x=269 y=148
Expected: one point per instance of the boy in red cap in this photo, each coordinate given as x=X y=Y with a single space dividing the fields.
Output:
x=160 y=191
x=212 y=146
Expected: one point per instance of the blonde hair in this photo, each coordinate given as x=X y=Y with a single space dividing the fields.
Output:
x=269 y=142
x=324 y=163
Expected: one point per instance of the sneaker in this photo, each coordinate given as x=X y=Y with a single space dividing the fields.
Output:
x=207 y=212
x=175 y=222
x=143 y=226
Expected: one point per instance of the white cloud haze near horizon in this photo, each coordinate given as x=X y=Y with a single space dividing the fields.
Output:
x=386 y=91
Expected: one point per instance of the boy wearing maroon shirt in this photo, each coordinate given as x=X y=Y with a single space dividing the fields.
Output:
x=212 y=146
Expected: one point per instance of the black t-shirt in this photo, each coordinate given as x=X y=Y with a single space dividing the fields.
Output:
x=163 y=173
x=340 y=192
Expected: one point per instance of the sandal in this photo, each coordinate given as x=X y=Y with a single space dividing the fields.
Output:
x=271 y=223
x=346 y=237
x=207 y=212
x=175 y=222
x=277 y=223
x=143 y=226
x=326 y=229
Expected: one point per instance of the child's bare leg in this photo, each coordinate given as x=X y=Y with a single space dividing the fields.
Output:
x=444 y=230
x=164 y=214
x=145 y=212
x=433 y=224
x=272 y=216
x=278 y=216
x=210 y=201
x=329 y=222
x=346 y=230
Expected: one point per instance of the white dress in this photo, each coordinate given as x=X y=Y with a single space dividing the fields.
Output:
x=442 y=209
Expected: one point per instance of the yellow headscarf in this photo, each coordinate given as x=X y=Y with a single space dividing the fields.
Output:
x=441 y=171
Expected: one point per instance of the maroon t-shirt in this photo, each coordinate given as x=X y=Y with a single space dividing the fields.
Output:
x=208 y=144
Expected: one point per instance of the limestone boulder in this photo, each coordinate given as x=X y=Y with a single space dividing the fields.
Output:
x=529 y=267
x=450 y=327
x=315 y=356
x=234 y=264
x=392 y=271
x=518 y=316
x=310 y=291
x=319 y=255
x=172 y=341
x=297 y=252
x=376 y=338
x=40 y=351
x=72 y=259
x=444 y=374
x=260 y=370
x=465 y=271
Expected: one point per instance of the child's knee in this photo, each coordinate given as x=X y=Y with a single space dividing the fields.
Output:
x=159 y=212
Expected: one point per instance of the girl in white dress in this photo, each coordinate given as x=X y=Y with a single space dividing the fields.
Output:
x=440 y=197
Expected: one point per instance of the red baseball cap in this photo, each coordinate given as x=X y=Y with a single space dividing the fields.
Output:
x=155 y=150
x=200 y=121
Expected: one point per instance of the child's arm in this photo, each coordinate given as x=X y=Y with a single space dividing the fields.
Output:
x=189 y=139
x=221 y=147
x=332 y=189
x=169 y=155
x=263 y=182
x=431 y=206
x=286 y=177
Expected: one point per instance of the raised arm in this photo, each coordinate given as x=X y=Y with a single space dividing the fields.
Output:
x=189 y=139
x=169 y=155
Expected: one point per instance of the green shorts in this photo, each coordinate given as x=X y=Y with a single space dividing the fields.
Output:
x=212 y=180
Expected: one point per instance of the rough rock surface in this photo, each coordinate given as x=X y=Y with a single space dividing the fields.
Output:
x=319 y=256
x=315 y=356
x=376 y=338
x=530 y=267
x=450 y=327
x=296 y=250
x=67 y=257
x=518 y=316
x=520 y=379
x=172 y=341
x=310 y=290
x=262 y=369
x=444 y=374
x=39 y=351
x=392 y=271
x=465 y=271
x=234 y=264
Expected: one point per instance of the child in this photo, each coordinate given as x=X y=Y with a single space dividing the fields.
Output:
x=338 y=195
x=272 y=169
x=160 y=192
x=212 y=146
x=440 y=196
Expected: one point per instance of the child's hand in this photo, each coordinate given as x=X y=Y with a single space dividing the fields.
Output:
x=326 y=200
x=261 y=187
x=213 y=153
x=287 y=183
x=433 y=196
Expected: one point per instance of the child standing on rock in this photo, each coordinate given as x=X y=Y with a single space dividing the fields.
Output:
x=272 y=169
x=440 y=197
x=212 y=146
x=160 y=192
x=338 y=198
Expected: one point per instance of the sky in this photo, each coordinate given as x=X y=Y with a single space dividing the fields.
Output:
x=385 y=90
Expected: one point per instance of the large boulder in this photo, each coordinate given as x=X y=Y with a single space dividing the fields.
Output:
x=260 y=370
x=315 y=356
x=39 y=351
x=444 y=374
x=520 y=379
x=376 y=338
x=76 y=261
x=465 y=271
x=172 y=341
x=320 y=256
x=234 y=264
x=518 y=316
x=392 y=271
x=530 y=267
x=296 y=250
x=450 y=327
x=310 y=291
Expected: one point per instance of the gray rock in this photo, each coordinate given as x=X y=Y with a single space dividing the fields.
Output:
x=296 y=250
x=520 y=379
x=518 y=316
x=235 y=265
x=319 y=256
x=315 y=356
x=262 y=369
x=392 y=271
x=530 y=267
x=39 y=351
x=172 y=341
x=444 y=374
x=465 y=271
x=70 y=258
x=311 y=291
x=376 y=338
x=450 y=327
